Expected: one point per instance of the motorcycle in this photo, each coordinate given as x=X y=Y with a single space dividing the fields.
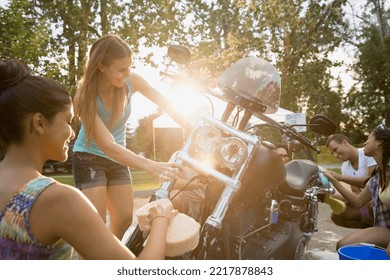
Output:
x=254 y=206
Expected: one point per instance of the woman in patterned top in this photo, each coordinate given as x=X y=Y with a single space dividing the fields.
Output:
x=39 y=217
x=378 y=147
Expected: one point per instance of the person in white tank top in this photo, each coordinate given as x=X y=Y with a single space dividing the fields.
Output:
x=355 y=165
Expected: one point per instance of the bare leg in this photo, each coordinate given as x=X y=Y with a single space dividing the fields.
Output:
x=373 y=235
x=120 y=207
x=351 y=218
x=97 y=195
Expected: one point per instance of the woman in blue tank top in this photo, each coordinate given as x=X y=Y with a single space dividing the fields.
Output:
x=101 y=160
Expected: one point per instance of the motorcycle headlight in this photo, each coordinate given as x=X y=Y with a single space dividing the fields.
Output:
x=206 y=140
x=232 y=152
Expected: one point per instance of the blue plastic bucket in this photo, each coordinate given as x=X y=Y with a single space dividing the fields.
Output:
x=362 y=252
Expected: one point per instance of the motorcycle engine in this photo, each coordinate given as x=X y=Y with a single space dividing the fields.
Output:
x=265 y=172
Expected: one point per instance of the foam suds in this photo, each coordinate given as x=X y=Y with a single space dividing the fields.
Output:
x=321 y=255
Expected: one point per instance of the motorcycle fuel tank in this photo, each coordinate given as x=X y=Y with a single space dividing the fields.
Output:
x=265 y=171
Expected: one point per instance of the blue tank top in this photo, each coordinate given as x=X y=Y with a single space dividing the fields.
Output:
x=118 y=131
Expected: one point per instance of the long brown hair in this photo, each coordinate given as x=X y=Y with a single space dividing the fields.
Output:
x=382 y=133
x=103 y=52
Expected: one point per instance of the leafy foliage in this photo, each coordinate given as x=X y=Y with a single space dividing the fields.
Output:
x=367 y=102
x=24 y=34
x=53 y=36
x=296 y=36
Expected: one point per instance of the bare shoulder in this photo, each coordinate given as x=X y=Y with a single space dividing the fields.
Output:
x=137 y=81
x=60 y=195
x=56 y=208
x=71 y=217
x=61 y=189
x=134 y=77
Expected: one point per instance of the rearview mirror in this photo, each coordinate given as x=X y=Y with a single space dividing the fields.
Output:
x=179 y=54
x=322 y=125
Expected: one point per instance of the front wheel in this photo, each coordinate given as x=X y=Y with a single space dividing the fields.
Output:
x=135 y=243
x=300 y=249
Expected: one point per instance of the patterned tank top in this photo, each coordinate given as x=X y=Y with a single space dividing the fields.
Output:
x=381 y=211
x=16 y=239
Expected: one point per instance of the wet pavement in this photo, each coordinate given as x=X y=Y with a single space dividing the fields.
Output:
x=322 y=246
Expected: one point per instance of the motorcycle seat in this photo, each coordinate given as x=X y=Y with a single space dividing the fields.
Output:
x=299 y=174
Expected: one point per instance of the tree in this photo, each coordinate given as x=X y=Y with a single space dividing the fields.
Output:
x=221 y=32
x=142 y=140
x=152 y=23
x=296 y=36
x=24 y=35
x=368 y=100
x=74 y=27
x=302 y=35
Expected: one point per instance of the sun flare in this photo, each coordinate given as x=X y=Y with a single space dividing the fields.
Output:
x=187 y=99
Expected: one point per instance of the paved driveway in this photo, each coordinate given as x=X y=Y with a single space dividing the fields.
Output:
x=323 y=244
x=321 y=247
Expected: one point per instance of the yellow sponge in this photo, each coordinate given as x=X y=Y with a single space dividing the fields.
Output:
x=335 y=204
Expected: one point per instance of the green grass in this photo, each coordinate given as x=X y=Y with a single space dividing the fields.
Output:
x=141 y=180
x=65 y=179
x=144 y=181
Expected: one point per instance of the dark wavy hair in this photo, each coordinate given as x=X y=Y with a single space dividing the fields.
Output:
x=21 y=95
x=382 y=133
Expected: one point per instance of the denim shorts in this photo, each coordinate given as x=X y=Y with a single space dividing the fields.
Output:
x=91 y=170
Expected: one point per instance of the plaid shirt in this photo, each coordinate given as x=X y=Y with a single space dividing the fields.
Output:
x=381 y=211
